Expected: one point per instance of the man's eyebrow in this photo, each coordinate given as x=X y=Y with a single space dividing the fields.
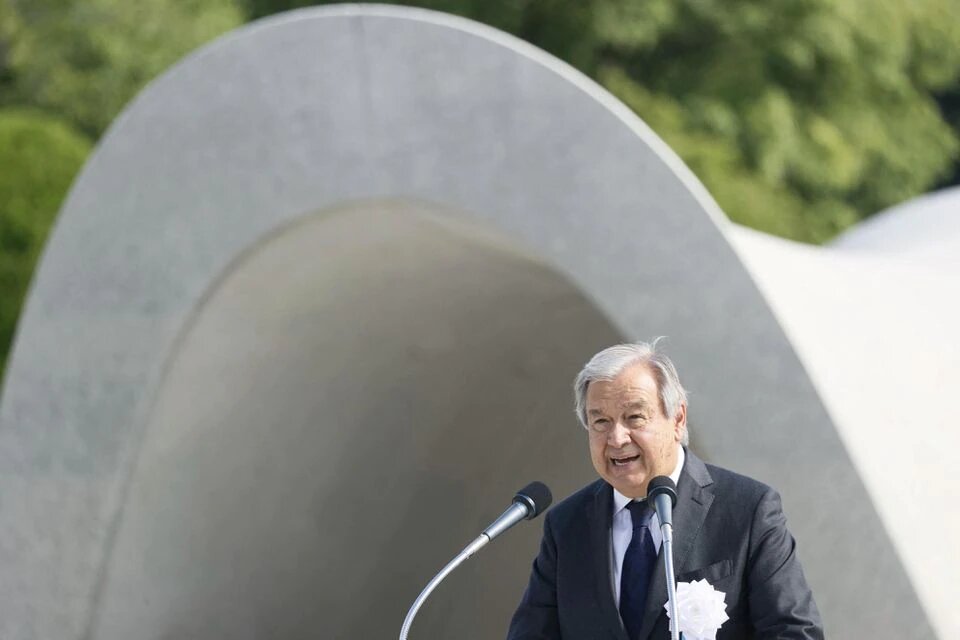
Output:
x=594 y=412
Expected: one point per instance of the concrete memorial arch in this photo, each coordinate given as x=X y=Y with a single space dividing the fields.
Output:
x=309 y=316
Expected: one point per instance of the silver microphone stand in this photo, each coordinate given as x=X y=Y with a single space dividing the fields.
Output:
x=666 y=531
x=468 y=551
x=529 y=502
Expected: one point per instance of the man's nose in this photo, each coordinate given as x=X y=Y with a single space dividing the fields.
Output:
x=619 y=435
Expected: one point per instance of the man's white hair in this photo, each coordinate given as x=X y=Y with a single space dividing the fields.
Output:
x=608 y=364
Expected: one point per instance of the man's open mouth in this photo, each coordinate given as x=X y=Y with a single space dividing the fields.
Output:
x=618 y=462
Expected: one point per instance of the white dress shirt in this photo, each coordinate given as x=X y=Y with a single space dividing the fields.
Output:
x=622 y=530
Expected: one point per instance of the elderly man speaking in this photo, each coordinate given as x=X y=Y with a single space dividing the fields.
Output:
x=600 y=573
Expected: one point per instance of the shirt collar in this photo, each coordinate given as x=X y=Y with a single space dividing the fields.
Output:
x=620 y=501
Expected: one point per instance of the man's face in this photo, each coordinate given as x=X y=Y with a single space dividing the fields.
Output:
x=631 y=440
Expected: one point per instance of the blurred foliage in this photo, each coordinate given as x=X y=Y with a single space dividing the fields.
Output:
x=39 y=155
x=800 y=116
x=85 y=59
x=9 y=26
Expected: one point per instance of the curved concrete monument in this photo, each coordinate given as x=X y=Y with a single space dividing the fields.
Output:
x=310 y=315
x=873 y=318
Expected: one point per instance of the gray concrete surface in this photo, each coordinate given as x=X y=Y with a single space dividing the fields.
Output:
x=885 y=292
x=261 y=390
x=349 y=433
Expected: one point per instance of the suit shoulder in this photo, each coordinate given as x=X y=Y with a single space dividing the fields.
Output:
x=743 y=489
x=573 y=506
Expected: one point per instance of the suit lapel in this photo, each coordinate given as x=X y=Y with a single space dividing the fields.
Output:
x=693 y=503
x=690 y=514
x=601 y=521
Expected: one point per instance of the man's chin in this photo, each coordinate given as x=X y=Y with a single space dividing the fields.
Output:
x=633 y=485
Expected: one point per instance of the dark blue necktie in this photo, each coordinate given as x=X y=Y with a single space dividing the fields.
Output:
x=638 y=563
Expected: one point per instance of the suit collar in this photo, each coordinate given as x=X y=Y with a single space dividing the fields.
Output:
x=693 y=502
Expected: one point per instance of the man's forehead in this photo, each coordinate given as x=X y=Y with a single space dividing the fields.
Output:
x=633 y=403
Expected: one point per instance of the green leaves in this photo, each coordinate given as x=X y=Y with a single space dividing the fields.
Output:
x=820 y=112
x=85 y=59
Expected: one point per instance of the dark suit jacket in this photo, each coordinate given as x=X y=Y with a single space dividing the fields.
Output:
x=728 y=529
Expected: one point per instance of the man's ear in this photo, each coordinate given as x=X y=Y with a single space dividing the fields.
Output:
x=680 y=422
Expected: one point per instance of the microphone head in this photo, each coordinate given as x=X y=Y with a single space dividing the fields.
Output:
x=662 y=485
x=536 y=496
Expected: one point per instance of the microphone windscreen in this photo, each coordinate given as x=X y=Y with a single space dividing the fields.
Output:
x=662 y=485
x=536 y=494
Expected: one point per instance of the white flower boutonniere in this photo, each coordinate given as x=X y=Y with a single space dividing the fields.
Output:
x=701 y=610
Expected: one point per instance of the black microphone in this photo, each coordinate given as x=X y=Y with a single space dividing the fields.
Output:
x=527 y=504
x=662 y=496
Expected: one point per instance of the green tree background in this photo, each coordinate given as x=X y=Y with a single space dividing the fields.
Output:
x=801 y=117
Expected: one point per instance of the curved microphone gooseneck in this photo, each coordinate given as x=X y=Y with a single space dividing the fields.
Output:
x=529 y=502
